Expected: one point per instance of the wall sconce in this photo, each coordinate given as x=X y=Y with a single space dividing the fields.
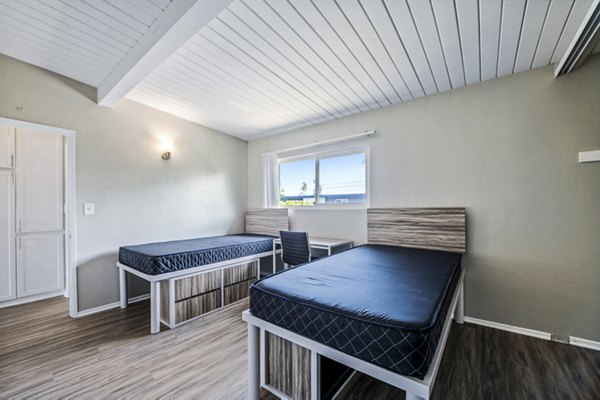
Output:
x=167 y=148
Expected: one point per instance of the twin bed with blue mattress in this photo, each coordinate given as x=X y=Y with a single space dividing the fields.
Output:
x=181 y=255
x=196 y=276
x=211 y=260
x=384 y=308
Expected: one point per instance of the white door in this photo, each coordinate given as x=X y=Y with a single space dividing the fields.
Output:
x=7 y=236
x=40 y=263
x=7 y=146
x=39 y=166
x=39 y=213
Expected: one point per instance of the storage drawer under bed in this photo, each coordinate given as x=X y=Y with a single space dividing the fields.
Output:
x=202 y=293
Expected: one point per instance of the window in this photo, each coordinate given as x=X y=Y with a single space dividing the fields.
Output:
x=328 y=178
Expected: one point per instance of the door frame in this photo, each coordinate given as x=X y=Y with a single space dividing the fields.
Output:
x=70 y=201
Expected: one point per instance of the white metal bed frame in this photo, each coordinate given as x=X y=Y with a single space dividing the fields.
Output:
x=155 y=280
x=415 y=388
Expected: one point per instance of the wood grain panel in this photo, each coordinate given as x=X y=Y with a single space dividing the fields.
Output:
x=197 y=284
x=424 y=228
x=240 y=273
x=195 y=306
x=288 y=367
x=267 y=221
x=237 y=291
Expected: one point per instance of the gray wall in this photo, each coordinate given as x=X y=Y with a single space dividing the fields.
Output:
x=507 y=150
x=139 y=197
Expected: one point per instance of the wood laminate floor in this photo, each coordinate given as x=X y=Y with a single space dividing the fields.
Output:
x=45 y=354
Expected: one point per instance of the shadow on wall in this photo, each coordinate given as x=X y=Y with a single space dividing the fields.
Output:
x=99 y=273
x=86 y=91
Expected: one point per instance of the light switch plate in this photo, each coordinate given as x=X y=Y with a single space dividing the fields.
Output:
x=89 y=209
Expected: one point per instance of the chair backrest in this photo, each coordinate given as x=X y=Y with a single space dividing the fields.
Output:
x=295 y=247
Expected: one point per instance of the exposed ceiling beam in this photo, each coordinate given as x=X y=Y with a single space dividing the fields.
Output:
x=176 y=25
x=584 y=42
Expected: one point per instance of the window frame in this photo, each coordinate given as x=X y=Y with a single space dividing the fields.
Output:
x=318 y=156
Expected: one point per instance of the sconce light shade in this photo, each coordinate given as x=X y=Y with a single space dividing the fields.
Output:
x=167 y=148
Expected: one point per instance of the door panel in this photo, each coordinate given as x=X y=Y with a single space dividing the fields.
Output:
x=7 y=236
x=40 y=263
x=7 y=146
x=39 y=162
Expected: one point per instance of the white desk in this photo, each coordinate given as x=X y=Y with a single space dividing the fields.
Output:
x=327 y=244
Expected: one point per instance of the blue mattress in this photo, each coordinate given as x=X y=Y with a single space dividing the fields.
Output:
x=382 y=304
x=165 y=257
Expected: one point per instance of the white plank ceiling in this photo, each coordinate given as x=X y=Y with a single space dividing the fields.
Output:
x=263 y=67
x=82 y=39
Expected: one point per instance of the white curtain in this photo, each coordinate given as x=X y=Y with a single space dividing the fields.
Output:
x=270 y=175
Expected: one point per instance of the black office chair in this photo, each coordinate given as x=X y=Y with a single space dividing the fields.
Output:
x=295 y=248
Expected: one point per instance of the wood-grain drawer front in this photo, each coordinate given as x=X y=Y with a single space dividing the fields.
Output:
x=195 y=306
x=240 y=273
x=197 y=284
x=288 y=367
x=238 y=291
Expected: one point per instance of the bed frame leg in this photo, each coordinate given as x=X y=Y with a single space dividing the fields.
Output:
x=253 y=362
x=411 y=396
x=315 y=376
x=459 y=313
x=154 y=307
x=123 y=288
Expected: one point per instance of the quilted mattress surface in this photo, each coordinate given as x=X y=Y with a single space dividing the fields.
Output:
x=382 y=304
x=164 y=257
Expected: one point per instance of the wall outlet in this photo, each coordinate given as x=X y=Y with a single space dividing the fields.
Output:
x=555 y=337
x=89 y=209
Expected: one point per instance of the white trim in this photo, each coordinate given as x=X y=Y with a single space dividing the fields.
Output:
x=180 y=21
x=588 y=344
x=70 y=200
x=30 y=299
x=17 y=123
x=509 y=328
x=327 y=141
x=110 y=306
x=575 y=45
x=589 y=156
x=575 y=341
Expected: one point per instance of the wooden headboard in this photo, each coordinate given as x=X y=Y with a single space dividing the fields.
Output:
x=423 y=228
x=267 y=221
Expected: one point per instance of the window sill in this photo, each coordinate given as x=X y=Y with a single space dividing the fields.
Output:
x=328 y=208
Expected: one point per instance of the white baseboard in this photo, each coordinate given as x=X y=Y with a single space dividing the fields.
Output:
x=509 y=328
x=110 y=306
x=575 y=341
x=30 y=299
x=588 y=344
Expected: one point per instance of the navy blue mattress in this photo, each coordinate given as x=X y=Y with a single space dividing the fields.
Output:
x=382 y=304
x=164 y=257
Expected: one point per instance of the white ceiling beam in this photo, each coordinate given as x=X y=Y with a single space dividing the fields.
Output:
x=175 y=26
x=583 y=43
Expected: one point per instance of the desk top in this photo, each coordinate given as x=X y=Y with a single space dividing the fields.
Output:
x=323 y=242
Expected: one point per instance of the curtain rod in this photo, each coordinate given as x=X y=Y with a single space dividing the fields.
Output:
x=326 y=141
